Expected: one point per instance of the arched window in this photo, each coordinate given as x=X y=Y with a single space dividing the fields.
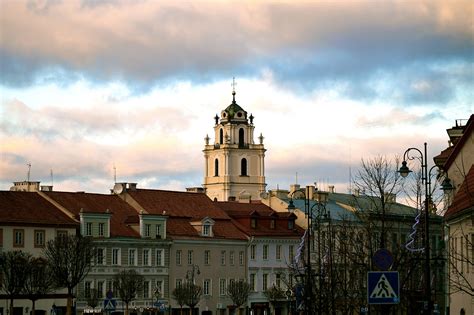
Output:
x=243 y=167
x=216 y=167
x=241 y=137
x=221 y=136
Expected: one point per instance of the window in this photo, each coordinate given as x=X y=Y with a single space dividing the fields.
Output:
x=160 y=257
x=115 y=256
x=146 y=257
x=100 y=256
x=243 y=167
x=18 y=238
x=278 y=252
x=291 y=224
x=178 y=257
x=146 y=289
x=223 y=254
x=222 y=287
x=179 y=282
x=147 y=230
x=241 y=137
x=206 y=287
x=241 y=258
x=206 y=230
x=131 y=257
x=252 y=282
x=278 y=280
x=87 y=289
x=100 y=289
x=264 y=281
x=221 y=136
x=159 y=286
x=253 y=223
x=190 y=257
x=61 y=233
x=272 y=224
x=158 y=231
x=1 y=237
x=88 y=229
x=291 y=252
x=265 y=252
x=232 y=258
x=39 y=238
x=216 y=167
x=252 y=251
x=207 y=257
x=101 y=229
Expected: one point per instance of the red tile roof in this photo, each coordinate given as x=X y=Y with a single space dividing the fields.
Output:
x=464 y=198
x=17 y=207
x=177 y=203
x=184 y=207
x=243 y=212
x=122 y=212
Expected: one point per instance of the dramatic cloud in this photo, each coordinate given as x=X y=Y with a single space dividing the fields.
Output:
x=86 y=85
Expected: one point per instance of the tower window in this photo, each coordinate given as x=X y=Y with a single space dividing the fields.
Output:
x=221 y=136
x=241 y=137
x=216 y=167
x=243 y=167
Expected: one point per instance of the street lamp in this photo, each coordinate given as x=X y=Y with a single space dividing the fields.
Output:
x=426 y=180
x=190 y=273
x=321 y=199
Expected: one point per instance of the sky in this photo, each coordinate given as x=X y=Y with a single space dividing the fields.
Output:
x=93 y=91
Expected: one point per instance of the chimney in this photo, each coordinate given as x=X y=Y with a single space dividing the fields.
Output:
x=390 y=198
x=294 y=188
x=310 y=190
x=331 y=188
x=46 y=188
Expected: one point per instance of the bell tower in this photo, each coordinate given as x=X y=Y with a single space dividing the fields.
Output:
x=234 y=164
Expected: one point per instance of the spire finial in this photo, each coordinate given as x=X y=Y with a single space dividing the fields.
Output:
x=233 y=89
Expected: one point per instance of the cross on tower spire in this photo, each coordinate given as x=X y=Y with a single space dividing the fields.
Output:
x=233 y=84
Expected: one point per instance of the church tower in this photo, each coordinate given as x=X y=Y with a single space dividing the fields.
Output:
x=234 y=164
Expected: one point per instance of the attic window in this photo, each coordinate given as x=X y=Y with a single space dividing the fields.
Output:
x=253 y=223
x=206 y=230
x=291 y=224
x=272 y=224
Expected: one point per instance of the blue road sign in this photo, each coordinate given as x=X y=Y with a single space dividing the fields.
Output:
x=383 y=287
x=383 y=259
x=110 y=304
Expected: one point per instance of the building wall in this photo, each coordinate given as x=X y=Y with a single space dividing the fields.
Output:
x=214 y=271
x=462 y=163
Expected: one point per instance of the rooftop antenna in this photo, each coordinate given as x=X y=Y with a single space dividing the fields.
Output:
x=29 y=171
x=296 y=182
x=115 y=174
x=350 y=169
x=52 y=179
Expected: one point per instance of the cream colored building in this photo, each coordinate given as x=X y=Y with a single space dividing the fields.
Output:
x=457 y=161
x=234 y=163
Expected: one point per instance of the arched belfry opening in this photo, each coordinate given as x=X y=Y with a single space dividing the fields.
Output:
x=221 y=136
x=243 y=167
x=241 y=137
x=216 y=167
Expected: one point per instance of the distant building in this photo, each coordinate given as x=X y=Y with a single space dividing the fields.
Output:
x=234 y=163
x=457 y=161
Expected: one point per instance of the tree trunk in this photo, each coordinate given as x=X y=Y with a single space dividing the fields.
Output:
x=69 y=302
x=11 y=306
x=126 y=308
x=33 y=309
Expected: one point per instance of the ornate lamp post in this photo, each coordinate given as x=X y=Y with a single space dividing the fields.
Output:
x=426 y=180
x=321 y=198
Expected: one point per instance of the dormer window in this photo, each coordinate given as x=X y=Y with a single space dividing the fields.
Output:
x=158 y=231
x=272 y=223
x=88 y=229
x=291 y=224
x=253 y=223
x=147 y=230
x=206 y=230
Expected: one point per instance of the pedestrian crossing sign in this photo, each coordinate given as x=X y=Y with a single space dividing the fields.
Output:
x=383 y=287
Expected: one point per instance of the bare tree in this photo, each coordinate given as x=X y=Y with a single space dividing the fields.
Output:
x=39 y=280
x=239 y=292
x=14 y=270
x=69 y=259
x=93 y=299
x=127 y=283
x=193 y=295
x=179 y=294
x=274 y=295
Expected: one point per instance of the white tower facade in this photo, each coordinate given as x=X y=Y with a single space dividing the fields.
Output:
x=234 y=163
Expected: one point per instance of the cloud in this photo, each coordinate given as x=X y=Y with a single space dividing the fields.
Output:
x=306 y=45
